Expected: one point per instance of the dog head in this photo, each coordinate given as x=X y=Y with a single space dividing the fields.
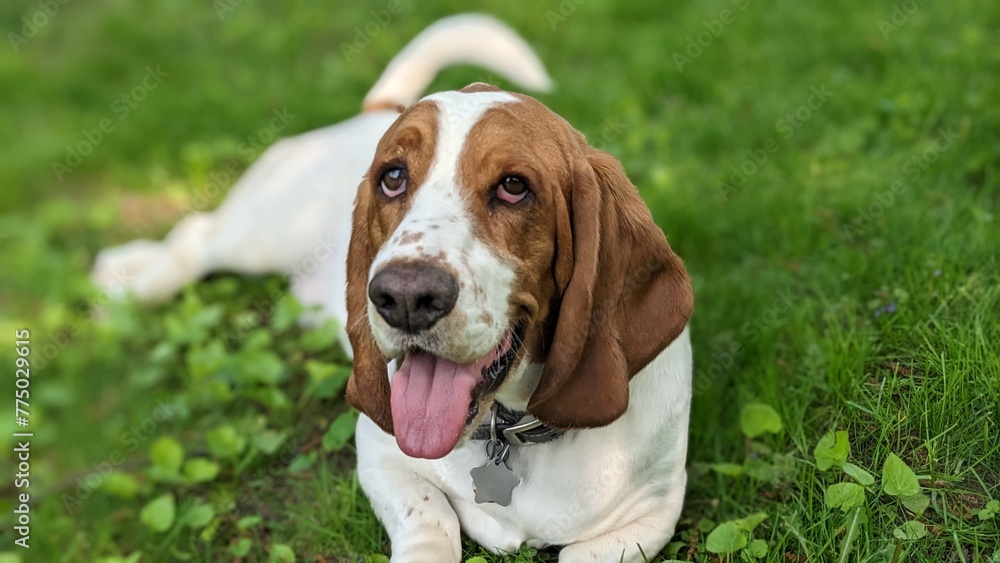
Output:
x=496 y=256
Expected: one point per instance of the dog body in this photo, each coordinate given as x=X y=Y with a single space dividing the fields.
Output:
x=290 y=212
x=496 y=259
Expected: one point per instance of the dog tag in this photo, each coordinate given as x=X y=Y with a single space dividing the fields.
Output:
x=494 y=482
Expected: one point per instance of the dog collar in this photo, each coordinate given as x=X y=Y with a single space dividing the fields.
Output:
x=495 y=481
x=514 y=428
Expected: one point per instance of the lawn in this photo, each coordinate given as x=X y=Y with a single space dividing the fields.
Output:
x=829 y=172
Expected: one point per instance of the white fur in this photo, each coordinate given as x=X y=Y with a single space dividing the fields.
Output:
x=439 y=215
x=485 y=42
x=291 y=210
x=601 y=493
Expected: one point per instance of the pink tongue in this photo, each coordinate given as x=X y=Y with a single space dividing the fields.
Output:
x=430 y=402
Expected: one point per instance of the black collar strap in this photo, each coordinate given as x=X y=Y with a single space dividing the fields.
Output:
x=517 y=428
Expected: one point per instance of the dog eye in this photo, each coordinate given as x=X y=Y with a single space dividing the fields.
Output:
x=512 y=189
x=393 y=182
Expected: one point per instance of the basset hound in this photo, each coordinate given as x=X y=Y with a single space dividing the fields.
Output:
x=533 y=320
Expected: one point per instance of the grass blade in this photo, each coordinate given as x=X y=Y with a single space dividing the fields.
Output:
x=851 y=533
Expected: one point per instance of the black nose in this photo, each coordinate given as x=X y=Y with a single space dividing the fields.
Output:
x=412 y=296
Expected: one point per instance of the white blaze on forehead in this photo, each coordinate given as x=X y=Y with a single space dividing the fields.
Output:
x=438 y=227
x=438 y=218
x=457 y=114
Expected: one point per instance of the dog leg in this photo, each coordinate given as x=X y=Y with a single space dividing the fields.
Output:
x=156 y=271
x=651 y=532
x=420 y=521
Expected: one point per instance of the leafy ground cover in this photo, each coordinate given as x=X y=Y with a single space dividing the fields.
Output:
x=829 y=173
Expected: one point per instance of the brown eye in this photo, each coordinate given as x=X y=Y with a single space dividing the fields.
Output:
x=512 y=189
x=393 y=182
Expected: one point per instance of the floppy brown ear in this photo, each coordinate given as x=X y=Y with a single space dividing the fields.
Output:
x=368 y=387
x=628 y=297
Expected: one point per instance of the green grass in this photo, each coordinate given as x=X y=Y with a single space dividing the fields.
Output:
x=845 y=301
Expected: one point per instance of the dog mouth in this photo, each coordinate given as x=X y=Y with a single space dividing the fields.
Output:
x=433 y=399
x=496 y=373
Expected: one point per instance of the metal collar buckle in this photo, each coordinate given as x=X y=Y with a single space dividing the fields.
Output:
x=517 y=429
x=511 y=434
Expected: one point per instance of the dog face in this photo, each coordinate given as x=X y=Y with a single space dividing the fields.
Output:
x=495 y=254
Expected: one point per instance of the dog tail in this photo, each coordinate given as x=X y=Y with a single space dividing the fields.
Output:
x=467 y=38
